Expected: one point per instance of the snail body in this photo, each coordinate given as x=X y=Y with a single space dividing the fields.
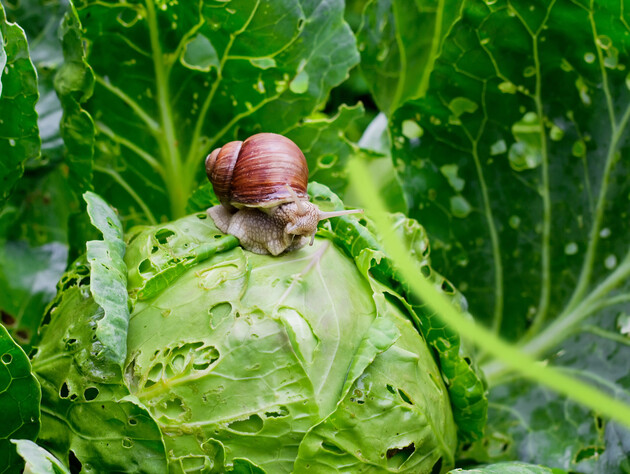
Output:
x=261 y=183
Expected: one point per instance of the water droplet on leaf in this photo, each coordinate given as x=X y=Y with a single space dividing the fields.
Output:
x=460 y=207
x=571 y=248
x=411 y=129
x=610 y=262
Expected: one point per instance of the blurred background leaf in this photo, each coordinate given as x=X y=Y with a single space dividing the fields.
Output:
x=399 y=41
x=514 y=163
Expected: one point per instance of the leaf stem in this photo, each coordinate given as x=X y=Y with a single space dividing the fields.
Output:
x=589 y=258
x=153 y=126
x=129 y=190
x=545 y=284
x=178 y=184
x=564 y=324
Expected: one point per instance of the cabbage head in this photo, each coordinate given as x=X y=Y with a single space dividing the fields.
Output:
x=236 y=362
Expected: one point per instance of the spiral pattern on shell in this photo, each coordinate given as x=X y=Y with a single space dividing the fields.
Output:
x=255 y=172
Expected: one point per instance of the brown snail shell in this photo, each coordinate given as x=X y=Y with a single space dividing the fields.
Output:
x=256 y=172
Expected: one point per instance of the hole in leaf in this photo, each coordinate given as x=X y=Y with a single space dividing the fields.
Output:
x=132 y=421
x=74 y=463
x=202 y=216
x=172 y=408
x=146 y=266
x=253 y=424
x=194 y=463
x=468 y=360
x=397 y=456
x=426 y=271
x=90 y=393
x=448 y=288
x=23 y=335
x=127 y=443
x=70 y=344
x=205 y=358
x=599 y=422
x=154 y=249
x=162 y=235
x=7 y=319
x=332 y=448
x=73 y=397
x=404 y=396
x=63 y=391
x=7 y=358
x=327 y=161
x=588 y=453
x=279 y=413
x=391 y=389
x=155 y=373
x=178 y=363
x=437 y=467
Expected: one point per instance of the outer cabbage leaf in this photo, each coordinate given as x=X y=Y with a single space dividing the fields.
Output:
x=174 y=80
x=466 y=387
x=108 y=285
x=37 y=459
x=19 y=135
x=19 y=401
x=399 y=41
x=406 y=442
x=97 y=422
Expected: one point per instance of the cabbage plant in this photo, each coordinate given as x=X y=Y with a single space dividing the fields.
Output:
x=298 y=363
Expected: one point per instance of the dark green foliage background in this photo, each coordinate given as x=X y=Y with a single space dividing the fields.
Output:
x=501 y=126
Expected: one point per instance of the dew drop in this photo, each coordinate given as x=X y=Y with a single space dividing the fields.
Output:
x=498 y=147
x=556 y=133
x=411 y=129
x=571 y=248
x=507 y=87
x=610 y=262
x=604 y=233
x=514 y=222
x=589 y=58
x=11 y=142
x=579 y=149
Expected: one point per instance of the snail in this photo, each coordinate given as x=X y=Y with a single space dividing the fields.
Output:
x=261 y=184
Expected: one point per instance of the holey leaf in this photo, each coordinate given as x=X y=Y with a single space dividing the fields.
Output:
x=173 y=80
x=515 y=162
